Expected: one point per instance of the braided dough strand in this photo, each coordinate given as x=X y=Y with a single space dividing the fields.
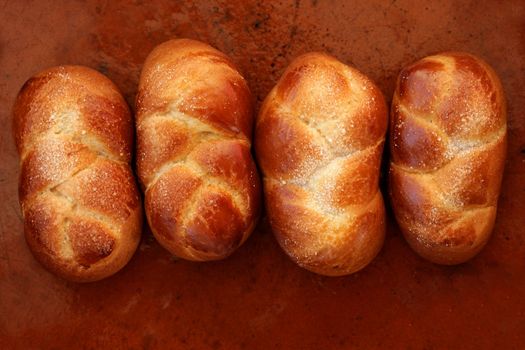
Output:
x=79 y=200
x=319 y=140
x=448 y=145
x=194 y=121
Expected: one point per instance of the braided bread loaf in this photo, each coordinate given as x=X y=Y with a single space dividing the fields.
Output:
x=448 y=144
x=319 y=139
x=194 y=125
x=80 y=203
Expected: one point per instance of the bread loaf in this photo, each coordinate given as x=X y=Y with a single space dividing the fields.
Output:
x=448 y=144
x=194 y=125
x=319 y=139
x=80 y=203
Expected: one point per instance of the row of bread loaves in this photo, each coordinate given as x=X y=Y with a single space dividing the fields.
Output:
x=319 y=139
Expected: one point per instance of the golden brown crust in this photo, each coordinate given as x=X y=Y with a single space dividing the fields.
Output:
x=79 y=199
x=319 y=139
x=448 y=141
x=194 y=125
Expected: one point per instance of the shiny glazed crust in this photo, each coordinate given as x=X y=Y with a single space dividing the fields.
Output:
x=81 y=207
x=448 y=141
x=194 y=125
x=319 y=139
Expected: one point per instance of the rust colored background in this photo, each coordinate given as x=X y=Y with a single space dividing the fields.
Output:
x=258 y=299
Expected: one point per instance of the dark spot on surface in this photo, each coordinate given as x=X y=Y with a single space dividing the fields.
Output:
x=103 y=68
x=293 y=31
x=216 y=344
x=227 y=16
x=148 y=341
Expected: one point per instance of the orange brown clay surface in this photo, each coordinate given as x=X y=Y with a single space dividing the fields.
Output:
x=258 y=298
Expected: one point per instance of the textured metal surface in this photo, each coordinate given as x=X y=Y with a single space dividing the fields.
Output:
x=258 y=299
